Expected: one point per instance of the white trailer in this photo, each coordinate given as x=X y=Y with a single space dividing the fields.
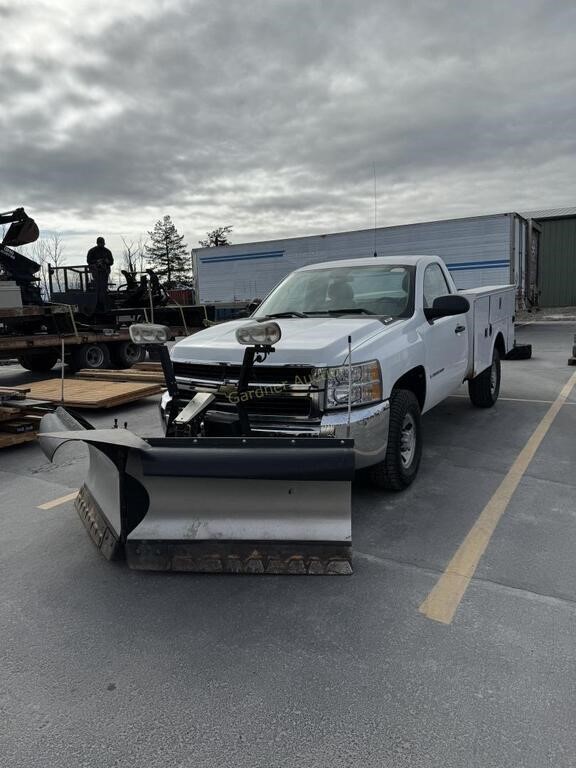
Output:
x=479 y=251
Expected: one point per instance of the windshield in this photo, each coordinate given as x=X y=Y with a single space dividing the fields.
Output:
x=362 y=290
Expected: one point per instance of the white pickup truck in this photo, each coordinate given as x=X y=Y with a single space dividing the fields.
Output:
x=414 y=339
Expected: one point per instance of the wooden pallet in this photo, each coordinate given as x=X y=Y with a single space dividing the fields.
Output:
x=81 y=393
x=20 y=416
x=13 y=393
x=7 y=413
x=17 y=424
x=8 y=440
x=128 y=374
x=148 y=366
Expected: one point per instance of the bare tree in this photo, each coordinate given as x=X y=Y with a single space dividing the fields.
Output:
x=55 y=251
x=48 y=251
x=41 y=256
x=134 y=255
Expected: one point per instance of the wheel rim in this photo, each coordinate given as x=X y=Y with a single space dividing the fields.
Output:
x=493 y=377
x=132 y=353
x=407 y=441
x=94 y=357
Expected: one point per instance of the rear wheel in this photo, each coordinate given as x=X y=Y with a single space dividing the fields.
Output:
x=125 y=354
x=39 y=362
x=404 y=450
x=92 y=356
x=485 y=388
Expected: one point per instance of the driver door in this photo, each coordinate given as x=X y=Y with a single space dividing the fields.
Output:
x=445 y=340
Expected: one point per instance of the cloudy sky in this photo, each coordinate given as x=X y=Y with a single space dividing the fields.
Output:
x=270 y=115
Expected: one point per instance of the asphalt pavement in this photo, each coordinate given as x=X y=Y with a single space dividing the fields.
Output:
x=101 y=666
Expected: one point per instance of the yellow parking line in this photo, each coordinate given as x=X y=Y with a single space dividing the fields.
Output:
x=57 y=502
x=444 y=599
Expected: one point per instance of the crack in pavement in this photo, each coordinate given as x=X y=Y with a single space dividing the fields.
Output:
x=480 y=580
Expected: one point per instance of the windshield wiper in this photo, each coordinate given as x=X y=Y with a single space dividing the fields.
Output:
x=285 y=314
x=351 y=311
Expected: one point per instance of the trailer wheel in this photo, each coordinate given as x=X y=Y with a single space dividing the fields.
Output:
x=125 y=354
x=39 y=362
x=91 y=355
x=404 y=450
x=485 y=388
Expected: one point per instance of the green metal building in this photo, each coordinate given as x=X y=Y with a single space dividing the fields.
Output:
x=552 y=261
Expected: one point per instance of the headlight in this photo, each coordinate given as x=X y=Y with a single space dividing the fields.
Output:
x=366 y=385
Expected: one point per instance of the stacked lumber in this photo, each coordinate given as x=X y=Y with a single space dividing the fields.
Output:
x=90 y=393
x=148 y=366
x=13 y=393
x=19 y=419
x=127 y=374
x=21 y=408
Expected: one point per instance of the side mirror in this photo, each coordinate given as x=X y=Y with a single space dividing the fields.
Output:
x=447 y=306
x=253 y=306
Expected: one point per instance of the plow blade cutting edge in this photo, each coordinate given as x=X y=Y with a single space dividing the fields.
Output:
x=213 y=505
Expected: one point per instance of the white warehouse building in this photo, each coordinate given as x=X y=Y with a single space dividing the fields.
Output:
x=479 y=251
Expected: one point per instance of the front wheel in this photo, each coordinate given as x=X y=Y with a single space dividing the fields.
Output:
x=404 y=450
x=484 y=389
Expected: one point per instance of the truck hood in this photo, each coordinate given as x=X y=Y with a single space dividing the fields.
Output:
x=318 y=341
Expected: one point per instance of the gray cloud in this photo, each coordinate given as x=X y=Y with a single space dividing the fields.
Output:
x=270 y=115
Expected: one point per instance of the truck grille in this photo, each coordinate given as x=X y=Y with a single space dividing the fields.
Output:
x=261 y=374
x=268 y=402
x=270 y=407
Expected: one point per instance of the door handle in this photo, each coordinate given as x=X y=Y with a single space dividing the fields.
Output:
x=460 y=329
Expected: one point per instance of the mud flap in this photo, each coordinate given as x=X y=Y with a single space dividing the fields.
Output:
x=215 y=505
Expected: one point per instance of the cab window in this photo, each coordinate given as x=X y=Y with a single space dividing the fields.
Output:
x=434 y=284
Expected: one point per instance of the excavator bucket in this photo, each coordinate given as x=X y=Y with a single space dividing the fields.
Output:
x=22 y=231
x=213 y=505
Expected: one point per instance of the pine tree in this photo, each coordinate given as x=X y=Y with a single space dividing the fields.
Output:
x=168 y=254
x=217 y=237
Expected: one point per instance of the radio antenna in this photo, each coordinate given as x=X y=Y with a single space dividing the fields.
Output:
x=375 y=208
x=349 y=386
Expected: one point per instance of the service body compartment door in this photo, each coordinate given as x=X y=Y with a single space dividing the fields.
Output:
x=501 y=306
x=482 y=335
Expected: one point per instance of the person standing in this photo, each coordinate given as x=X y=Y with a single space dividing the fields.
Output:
x=100 y=261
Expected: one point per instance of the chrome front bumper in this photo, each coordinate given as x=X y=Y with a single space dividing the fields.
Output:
x=368 y=429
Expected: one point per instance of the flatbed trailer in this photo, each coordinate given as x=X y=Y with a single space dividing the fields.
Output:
x=12 y=346
x=98 y=347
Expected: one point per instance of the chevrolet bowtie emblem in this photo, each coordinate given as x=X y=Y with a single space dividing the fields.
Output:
x=227 y=389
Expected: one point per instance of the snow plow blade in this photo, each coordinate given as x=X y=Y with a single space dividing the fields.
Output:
x=214 y=505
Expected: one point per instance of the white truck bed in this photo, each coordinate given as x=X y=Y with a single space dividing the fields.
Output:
x=491 y=311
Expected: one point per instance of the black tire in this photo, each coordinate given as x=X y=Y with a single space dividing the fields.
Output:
x=125 y=354
x=400 y=467
x=92 y=356
x=485 y=388
x=39 y=362
x=520 y=352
